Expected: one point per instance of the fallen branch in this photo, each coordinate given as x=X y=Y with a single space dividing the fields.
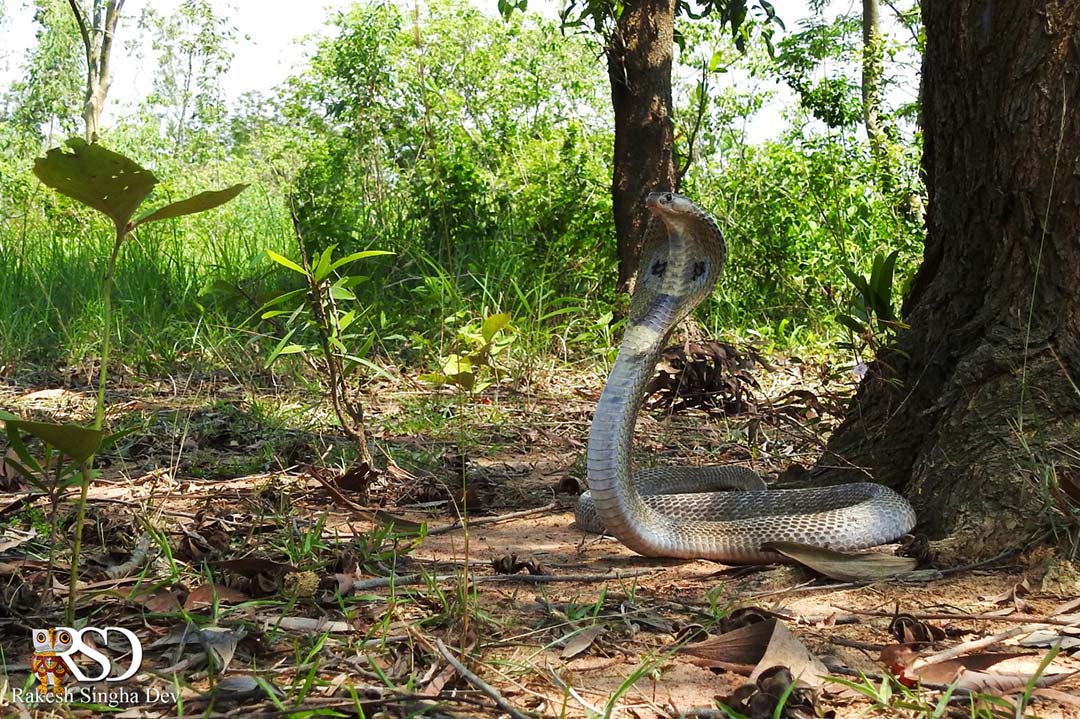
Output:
x=972 y=646
x=492 y=520
x=479 y=683
x=1066 y=620
x=414 y=579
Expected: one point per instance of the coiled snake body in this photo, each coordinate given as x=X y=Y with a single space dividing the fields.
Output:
x=667 y=511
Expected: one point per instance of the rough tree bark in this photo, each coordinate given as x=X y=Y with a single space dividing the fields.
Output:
x=97 y=37
x=639 y=65
x=979 y=397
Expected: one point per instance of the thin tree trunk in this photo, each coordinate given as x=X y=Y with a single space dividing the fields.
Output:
x=639 y=66
x=978 y=402
x=873 y=67
x=97 y=36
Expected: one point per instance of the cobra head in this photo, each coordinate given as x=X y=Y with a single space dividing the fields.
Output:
x=682 y=256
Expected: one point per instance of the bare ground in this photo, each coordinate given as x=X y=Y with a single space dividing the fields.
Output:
x=211 y=537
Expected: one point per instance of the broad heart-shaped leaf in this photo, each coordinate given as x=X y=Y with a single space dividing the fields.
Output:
x=198 y=203
x=455 y=365
x=76 y=442
x=105 y=180
x=493 y=324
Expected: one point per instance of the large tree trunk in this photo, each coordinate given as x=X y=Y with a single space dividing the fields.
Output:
x=639 y=64
x=979 y=400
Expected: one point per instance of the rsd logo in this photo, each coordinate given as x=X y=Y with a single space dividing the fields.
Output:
x=52 y=662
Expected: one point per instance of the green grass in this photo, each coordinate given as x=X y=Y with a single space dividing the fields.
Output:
x=188 y=292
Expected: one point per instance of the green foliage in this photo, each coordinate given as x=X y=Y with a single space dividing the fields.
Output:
x=115 y=186
x=822 y=64
x=474 y=369
x=873 y=304
x=475 y=149
x=797 y=215
x=50 y=92
x=193 y=47
x=479 y=152
x=315 y=319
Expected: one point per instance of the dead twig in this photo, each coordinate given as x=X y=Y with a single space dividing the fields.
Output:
x=974 y=645
x=414 y=579
x=479 y=683
x=492 y=520
x=1066 y=620
x=564 y=687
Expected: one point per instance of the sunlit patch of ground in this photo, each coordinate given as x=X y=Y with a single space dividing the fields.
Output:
x=297 y=582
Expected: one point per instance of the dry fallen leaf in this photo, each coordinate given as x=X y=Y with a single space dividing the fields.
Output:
x=581 y=641
x=947 y=671
x=759 y=646
x=205 y=595
x=846 y=567
x=161 y=600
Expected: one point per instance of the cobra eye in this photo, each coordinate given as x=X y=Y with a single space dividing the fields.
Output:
x=699 y=269
x=668 y=197
x=658 y=268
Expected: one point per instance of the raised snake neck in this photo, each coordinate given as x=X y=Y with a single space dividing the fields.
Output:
x=682 y=257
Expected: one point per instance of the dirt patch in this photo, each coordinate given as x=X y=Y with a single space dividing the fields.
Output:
x=243 y=577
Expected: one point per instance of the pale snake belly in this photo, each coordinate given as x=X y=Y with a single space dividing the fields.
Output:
x=663 y=511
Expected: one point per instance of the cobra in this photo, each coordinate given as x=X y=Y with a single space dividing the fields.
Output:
x=669 y=511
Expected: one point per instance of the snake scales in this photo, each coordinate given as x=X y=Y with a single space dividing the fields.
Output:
x=670 y=511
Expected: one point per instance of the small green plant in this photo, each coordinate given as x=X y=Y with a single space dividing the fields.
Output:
x=317 y=327
x=872 y=320
x=115 y=186
x=474 y=369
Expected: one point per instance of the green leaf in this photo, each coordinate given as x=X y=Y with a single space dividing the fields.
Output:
x=465 y=380
x=346 y=319
x=456 y=365
x=881 y=282
x=492 y=325
x=351 y=281
x=366 y=347
x=16 y=444
x=357 y=256
x=340 y=293
x=286 y=262
x=102 y=179
x=198 y=203
x=322 y=267
x=859 y=281
x=283 y=347
x=383 y=373
x=434 y=378
x=851 y=323
x=75 y=441
x=282 y=298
